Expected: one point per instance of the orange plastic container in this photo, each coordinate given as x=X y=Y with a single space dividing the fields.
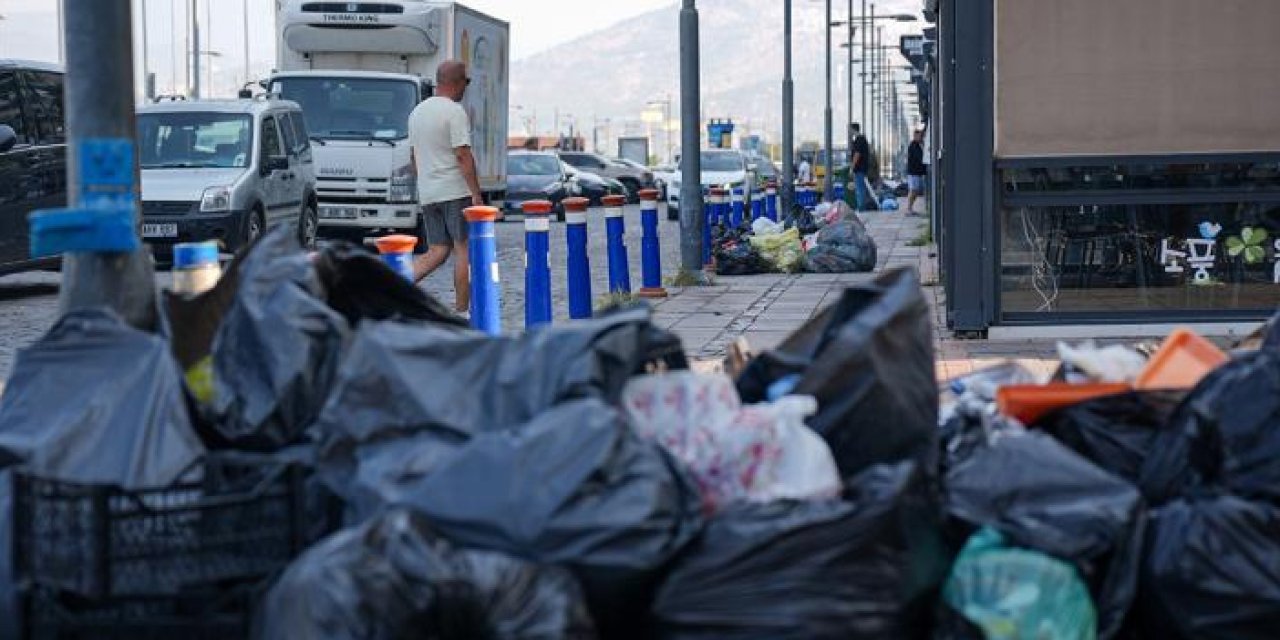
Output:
x=1028 y=403
x=1183 y=360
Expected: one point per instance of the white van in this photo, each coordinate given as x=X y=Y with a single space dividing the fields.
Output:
x=225 y=170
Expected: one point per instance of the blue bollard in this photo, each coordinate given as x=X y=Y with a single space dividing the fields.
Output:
x=650 y=247
x=757 y=205
x=616 y=235
x=771 y=201
x=537 y=263
x=579 y=276
x=397 y=253
x=486 y=283
x=735 y=215
x=837 y=191
x=719 y=202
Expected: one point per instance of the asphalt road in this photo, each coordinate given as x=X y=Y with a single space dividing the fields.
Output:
x=29 y=301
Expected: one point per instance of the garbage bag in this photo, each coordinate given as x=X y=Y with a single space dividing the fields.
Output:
x=394 y=577
x=360 y=286
x=10 y=602
x=1043 y=496
x=863 y=567
x=781 y=250
x=1224 y=435
x=574 y=487
x=1212 y=570
x=755 y=453
x=739 y=258
x=1118 y=432
x=868 y=359
x=801 y=220
x=405 y=378
x=843 y=247
x=277 y=352
x=765 y=226
x=1011 y=594
x=1116 y=363
x=96 y=401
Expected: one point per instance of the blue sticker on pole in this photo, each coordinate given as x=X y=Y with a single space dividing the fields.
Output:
x=106 y=173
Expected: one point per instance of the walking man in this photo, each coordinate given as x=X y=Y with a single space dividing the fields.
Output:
x=861 y=161
x=916 y=170
x=440 y=134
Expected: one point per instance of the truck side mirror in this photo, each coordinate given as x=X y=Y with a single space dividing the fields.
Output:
x=8 y=138
x=275 y=163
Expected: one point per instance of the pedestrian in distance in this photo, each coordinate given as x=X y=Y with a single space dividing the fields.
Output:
x=805 y=171
x=916 y=170
x=440 y=135
x=861 y=162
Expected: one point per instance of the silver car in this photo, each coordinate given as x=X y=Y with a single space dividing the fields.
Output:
x=225 y=171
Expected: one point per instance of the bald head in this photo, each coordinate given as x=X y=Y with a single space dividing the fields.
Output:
x=451 y=79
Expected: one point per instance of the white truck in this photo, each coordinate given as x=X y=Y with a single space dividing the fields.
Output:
x=358 y=69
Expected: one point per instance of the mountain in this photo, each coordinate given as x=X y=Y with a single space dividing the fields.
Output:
x=612 y=73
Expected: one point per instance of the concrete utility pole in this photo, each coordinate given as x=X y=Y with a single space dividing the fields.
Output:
x=848 y=132
x=865 y=25
x=195 y=51
x=100 y=120
x=691 y=220
x=788 y=118
x=828 y=179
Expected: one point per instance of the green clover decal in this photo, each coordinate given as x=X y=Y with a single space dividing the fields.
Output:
x=1248 y=244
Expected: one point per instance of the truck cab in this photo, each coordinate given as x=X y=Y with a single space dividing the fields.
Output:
x=358 y=70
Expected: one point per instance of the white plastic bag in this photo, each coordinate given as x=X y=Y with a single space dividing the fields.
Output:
x=765 y=226
x=755 y=453
x=1116 y=363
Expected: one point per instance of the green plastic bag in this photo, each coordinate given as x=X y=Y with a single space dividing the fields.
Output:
x=1016 y=594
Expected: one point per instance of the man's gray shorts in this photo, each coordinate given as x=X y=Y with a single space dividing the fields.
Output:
x=445 y=224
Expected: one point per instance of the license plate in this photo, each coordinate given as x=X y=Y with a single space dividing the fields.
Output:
x=160 y=230
x=338 y=213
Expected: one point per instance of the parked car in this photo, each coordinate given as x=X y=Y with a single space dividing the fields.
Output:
x=537 y=175
x=634 y=179
x=594 y=187
x=225 y=171
x=663 y=174
x=720 y=168
x=33 y=172
x=764 y=169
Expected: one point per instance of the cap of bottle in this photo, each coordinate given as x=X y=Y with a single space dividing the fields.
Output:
x=195 y=254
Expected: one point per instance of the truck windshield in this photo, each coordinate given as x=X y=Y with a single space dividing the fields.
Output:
x=722 y=161
x=352 y=108
x=186 y=140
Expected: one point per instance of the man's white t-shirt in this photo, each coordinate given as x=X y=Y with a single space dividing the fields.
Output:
x=436 y=128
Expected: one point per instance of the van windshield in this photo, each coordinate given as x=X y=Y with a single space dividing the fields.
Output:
x=531 y=165
x=722 y=161
x=352 y=108
x=187 y=140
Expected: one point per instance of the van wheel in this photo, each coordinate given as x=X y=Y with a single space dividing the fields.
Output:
x=253 y=227
x=308 y=227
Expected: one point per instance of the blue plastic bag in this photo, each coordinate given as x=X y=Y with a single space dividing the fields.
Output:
x=1015 y=594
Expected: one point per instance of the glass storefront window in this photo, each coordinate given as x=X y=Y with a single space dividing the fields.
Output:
x=1248 y=176
x=1131 y=258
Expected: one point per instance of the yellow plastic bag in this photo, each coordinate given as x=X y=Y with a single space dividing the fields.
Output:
x=783 y=250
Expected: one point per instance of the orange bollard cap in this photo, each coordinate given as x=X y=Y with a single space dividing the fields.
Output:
x=614 y=201
x=650 y=195
x=398 y=243
x=577 y=205
x=480 y=214
x=537 y=207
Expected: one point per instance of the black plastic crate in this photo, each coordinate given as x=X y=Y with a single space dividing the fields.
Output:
x=211 y=614
x=244 y=518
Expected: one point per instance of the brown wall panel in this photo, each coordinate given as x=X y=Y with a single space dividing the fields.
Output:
x=1128 y=77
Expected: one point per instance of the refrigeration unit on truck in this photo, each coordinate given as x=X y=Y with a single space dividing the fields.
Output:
x=358 y=69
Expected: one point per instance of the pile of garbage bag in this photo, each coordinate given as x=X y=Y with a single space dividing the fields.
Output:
x=830 y=239
x=397 y=475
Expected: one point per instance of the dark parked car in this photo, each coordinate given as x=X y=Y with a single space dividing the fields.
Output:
x=32 y=156
x=594 y=187
x=535 y=175
x=632 y=178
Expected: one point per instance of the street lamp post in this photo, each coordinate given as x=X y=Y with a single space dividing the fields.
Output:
x=788 y=116
x=691 y=219
x=827 y=178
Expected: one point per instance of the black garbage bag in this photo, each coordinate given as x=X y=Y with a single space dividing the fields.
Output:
x=1225 y=435
x=360 y=286
x=1116 y=432
x=1212 y=570
x=735 y=257
x=843 y=247
x=863 y=567
x=96 y=401
x=574 y=487
x=1043 y=496
x=394 y=578
x=402 y=378
x=801 y=219
x=868 y=359
x=277 y=351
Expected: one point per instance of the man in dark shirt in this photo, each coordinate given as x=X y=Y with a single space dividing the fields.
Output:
x=916 y=170
x=861 y=161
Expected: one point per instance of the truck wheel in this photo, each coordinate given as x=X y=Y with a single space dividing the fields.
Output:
x=253 y=227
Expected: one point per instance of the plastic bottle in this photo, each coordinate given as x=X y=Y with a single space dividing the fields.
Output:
x=195 y=267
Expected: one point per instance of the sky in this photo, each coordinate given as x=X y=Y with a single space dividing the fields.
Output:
x=30 y=30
